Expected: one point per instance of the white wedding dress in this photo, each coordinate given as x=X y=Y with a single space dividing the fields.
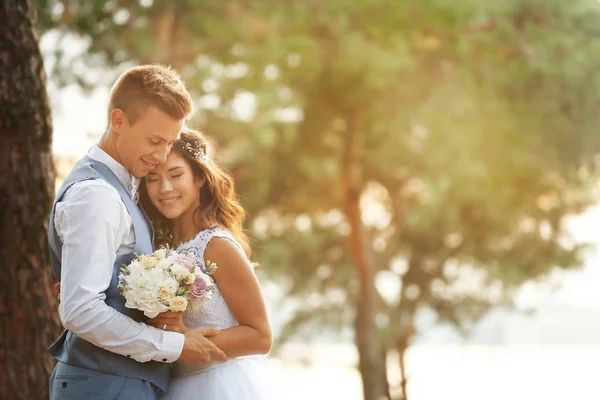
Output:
x=241 y=378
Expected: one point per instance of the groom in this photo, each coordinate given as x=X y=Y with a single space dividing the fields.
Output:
x=107 y=351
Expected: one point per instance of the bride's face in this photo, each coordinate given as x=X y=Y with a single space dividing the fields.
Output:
x=173 y=188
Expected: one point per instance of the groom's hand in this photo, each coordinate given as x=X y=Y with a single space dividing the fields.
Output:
x=197 y=349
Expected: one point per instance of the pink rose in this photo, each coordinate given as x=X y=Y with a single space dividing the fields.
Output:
x=198 y=288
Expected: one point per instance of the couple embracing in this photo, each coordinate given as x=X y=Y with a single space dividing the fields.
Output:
x=149 y=171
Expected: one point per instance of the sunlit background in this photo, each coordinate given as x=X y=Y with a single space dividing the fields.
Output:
x=477 y=119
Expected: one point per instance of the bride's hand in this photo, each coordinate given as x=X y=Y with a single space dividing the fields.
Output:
x=169 y=321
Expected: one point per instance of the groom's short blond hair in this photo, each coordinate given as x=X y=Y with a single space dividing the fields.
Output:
x=150 y=85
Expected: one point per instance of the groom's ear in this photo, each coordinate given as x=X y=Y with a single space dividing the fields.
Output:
x=117 y=120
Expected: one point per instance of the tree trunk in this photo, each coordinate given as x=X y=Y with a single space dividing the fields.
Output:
x=27 y=304
x=169 y=29
x=372 y=359
x=403 y=320
x=402 y=346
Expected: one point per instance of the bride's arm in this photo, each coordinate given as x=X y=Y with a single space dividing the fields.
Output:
x=239 y=287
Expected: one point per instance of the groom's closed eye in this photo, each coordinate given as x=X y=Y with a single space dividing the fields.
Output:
x=156 y=140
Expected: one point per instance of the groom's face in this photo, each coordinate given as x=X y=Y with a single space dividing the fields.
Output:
x=146 y=142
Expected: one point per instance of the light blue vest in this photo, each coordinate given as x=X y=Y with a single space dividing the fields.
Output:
x=71 y=349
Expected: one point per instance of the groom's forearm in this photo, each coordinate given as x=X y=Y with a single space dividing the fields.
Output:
x=107 y=328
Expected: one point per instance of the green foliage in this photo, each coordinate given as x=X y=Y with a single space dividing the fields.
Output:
x=479 y=124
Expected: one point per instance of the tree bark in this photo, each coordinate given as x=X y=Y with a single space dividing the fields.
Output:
x=402 y=344
x=404 y=321
x=27 y=304
x=170 y=31
x=372 y=354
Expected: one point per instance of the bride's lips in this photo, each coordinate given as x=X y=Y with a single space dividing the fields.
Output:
x=169 y=201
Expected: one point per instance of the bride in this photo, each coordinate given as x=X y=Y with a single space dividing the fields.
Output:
x=192 y=198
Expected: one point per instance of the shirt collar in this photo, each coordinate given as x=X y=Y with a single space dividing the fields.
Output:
x=130 y=182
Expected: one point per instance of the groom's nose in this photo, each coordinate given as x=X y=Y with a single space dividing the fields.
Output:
x=161 y=154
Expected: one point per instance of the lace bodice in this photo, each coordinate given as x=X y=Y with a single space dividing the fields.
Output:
x=215 y=311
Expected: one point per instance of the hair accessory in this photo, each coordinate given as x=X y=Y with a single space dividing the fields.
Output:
x=196 y=150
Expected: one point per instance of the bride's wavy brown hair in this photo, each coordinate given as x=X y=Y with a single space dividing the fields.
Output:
x=219 y=204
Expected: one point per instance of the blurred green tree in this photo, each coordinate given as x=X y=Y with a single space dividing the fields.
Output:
x=430 y=147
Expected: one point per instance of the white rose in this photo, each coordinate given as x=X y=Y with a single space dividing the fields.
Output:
x=137 y=296
x=179 y=275
x=189 y=278
x=164 y=264
x=173 y=257
x=164 y=293
x=135 y=268
x=152 y=308
x=178 y=304
x=177 y=268
x=185 y=277
x=160 y=254
x=171 y=283
x=130 y=299
x=155 y=275
x=147 y=262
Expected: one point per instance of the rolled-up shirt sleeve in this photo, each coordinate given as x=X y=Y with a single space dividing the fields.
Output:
x=92 y=222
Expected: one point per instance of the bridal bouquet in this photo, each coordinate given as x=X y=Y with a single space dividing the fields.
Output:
x=165 y=281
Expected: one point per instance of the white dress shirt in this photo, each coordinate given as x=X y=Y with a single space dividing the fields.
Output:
x=95 y=228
